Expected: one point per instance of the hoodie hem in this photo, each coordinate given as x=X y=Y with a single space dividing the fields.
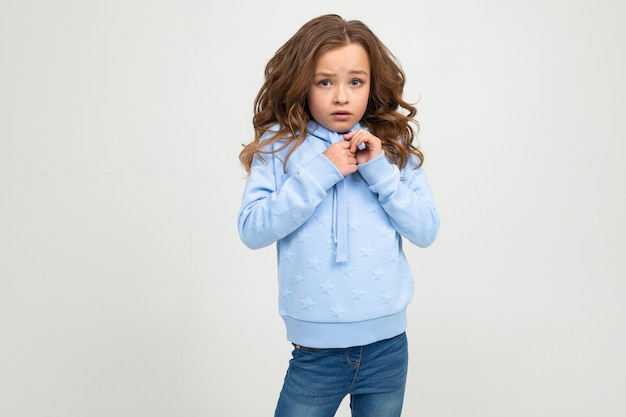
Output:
x=344 y=335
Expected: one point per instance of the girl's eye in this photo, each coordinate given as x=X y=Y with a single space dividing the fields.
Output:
x=324 y=83
x=356 y=82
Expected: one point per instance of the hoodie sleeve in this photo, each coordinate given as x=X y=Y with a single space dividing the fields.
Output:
x=406 y=197
x=271 y=209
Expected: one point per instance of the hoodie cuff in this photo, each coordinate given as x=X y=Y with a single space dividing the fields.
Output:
x=324 y=172
x=377 y=169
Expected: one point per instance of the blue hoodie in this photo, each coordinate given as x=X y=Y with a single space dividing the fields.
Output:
x=343 y=277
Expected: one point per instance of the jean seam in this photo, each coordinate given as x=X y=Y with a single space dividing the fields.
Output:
x=356 y=365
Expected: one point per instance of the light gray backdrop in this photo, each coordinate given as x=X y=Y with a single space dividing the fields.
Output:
x=124 y=288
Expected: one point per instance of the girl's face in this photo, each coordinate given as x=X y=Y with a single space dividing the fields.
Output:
x=339 y=93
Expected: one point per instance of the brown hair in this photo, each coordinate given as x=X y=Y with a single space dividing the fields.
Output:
x=282 y=100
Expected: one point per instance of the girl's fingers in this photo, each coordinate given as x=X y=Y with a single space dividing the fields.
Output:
x=361 y=139
x=357 y=140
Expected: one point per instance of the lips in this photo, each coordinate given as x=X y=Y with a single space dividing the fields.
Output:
x=341 y=115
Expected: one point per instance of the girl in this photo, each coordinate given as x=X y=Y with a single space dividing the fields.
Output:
x=335 y=180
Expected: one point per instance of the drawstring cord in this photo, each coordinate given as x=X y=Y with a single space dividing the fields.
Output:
x=340 y=209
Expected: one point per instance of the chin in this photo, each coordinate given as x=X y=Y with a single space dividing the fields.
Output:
x=340 y=126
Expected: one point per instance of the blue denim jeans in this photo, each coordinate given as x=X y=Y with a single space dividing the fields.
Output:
x=373 y=375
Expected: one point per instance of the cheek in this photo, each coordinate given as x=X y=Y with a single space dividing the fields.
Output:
x=314 y=101
x=363 y=100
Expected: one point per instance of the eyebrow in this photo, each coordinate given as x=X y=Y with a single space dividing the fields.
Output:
x=330 y=74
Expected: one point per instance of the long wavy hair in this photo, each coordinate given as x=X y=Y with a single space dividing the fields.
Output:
x=282 y=100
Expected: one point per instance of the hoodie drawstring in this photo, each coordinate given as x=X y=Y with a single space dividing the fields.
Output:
x=340 y=206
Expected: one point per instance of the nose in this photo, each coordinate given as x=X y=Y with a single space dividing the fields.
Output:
x=340 y=95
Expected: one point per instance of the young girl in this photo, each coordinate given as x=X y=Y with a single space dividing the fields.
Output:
x=336 y=181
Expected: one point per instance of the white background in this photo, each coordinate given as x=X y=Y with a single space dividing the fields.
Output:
x=124 y=288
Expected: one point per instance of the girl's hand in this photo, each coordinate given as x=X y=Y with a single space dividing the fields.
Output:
x=373 y=145
x=340 y=154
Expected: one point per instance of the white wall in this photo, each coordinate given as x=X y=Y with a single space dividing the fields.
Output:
x=124 y=288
